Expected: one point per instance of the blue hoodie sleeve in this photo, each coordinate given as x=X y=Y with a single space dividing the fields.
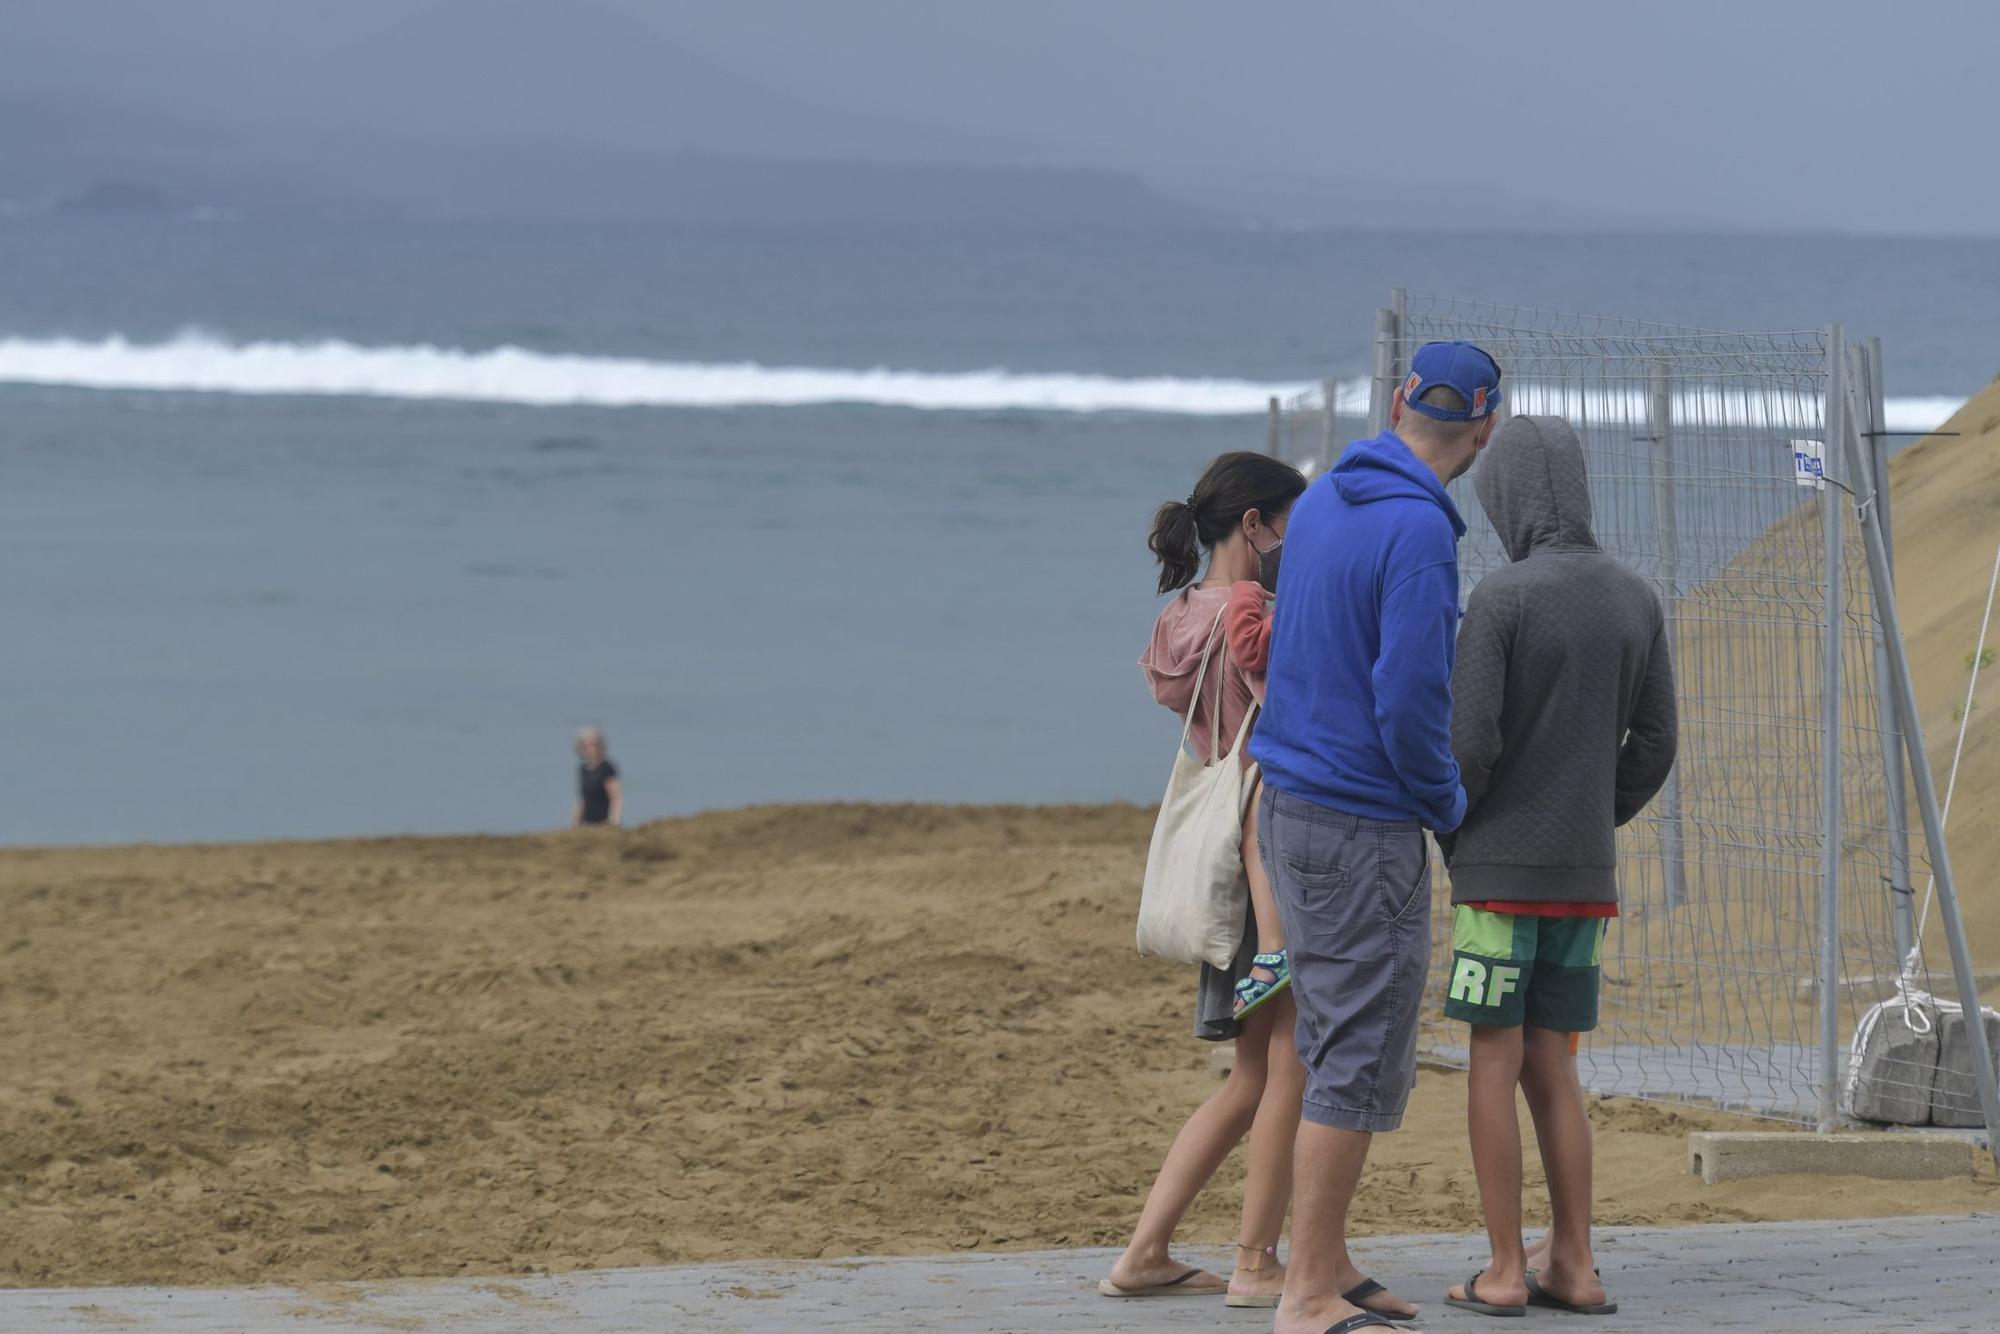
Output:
x=1413 y=687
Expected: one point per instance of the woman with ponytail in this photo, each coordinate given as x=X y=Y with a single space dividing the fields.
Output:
x=1235 y=518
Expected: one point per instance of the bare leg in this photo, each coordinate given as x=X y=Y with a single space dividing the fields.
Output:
x=1538 y=1252
x=1562 y=1127
x=1326 y=1168
x=1263 y=904
x=1270 y=930
x=1267 y=1176
x=1495 y=1130
x=1203 y=1142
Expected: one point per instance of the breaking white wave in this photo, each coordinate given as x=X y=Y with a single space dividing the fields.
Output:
x=202 y=363
x=196 y=362
x=1709 y=406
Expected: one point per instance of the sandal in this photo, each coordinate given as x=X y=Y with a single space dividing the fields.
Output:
x=1362 y=1320
x=1254 y=991
x=1357 y=1295
x=1472 y=1301
x=1264 y=1300
x=1194 y=1283
x=1541 y=1296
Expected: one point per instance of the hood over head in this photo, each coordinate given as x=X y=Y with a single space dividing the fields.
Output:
x=1535 y=488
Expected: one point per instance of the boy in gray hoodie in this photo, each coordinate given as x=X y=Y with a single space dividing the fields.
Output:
x=1563 y=723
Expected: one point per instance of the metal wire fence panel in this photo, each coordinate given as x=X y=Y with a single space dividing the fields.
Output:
x=1308 y=436
x=1705 y=449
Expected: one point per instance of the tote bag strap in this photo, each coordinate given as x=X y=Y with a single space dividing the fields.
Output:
x=1243 y=729
x=1215 y=711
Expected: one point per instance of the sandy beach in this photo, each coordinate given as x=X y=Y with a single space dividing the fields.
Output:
x=814 y=1031
x=777 y=1032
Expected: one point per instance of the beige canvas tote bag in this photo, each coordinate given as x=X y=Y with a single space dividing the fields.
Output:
x=1192 y=905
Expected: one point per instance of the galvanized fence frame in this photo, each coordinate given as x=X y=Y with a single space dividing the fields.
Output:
x=1754 y=936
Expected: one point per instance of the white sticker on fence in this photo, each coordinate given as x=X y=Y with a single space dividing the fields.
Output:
x=1809 y=463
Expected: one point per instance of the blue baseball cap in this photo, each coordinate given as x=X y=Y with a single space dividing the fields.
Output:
x=1464 y=367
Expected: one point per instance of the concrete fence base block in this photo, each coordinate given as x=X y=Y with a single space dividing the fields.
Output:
x=1717 y=1155
x=1895 y=1071
x=1955 y=1099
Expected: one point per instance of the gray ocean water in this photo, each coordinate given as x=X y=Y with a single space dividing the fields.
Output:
x=247 y=616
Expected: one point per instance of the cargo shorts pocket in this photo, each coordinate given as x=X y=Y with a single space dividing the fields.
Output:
x=1317 y=857
x=1402 y=874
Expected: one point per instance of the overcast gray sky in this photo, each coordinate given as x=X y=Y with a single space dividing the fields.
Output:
x=1877 y=113
x=1845 y=114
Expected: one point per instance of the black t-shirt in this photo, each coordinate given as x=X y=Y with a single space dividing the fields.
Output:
x=596 y=798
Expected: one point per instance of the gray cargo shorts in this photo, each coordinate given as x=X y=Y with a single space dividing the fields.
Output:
x=1354 y=895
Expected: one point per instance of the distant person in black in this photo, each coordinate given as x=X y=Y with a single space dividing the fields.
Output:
x=599 y=799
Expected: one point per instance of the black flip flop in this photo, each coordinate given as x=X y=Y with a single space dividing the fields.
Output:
x=1541 y=1296
x=1470 y=1301
x=1359 y=1294
x=1366 y=1320
x=1173 y=1287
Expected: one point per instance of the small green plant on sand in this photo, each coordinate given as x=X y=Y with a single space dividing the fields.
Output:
x=1977 y=660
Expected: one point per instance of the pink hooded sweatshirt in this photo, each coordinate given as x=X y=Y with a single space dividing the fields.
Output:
x=1174 y=656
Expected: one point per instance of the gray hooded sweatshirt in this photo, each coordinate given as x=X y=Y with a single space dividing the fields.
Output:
x=1563 y=694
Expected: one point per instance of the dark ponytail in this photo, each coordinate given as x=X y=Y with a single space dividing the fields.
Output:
x=1234 y=484
x=1176 y=544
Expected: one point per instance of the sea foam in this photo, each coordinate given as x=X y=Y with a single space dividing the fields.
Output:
x=198 y=362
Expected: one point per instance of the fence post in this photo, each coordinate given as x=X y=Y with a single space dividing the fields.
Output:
x=1829 y=706
x=1274 y=417
x=1399 y=354
x=1382 y=372
x=1901 y=897
x=1329 y=391
x=1876 y=539
x=1666 y=501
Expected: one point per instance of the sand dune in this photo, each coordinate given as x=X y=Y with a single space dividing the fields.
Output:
x=1945 y=508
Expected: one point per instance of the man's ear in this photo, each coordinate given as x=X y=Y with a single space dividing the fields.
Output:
x=1486 y=430
x=1396 y=408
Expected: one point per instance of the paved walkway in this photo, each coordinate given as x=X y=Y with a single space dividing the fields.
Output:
x=1779 y=1080
x=1897 y=1274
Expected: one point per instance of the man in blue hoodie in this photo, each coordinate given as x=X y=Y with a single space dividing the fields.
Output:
x=1355 y=744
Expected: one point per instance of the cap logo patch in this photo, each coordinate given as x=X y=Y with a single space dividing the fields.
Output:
x=1411 y=385
x=1479 y=401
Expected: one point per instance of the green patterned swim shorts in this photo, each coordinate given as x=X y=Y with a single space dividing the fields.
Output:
x=1509 y=969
